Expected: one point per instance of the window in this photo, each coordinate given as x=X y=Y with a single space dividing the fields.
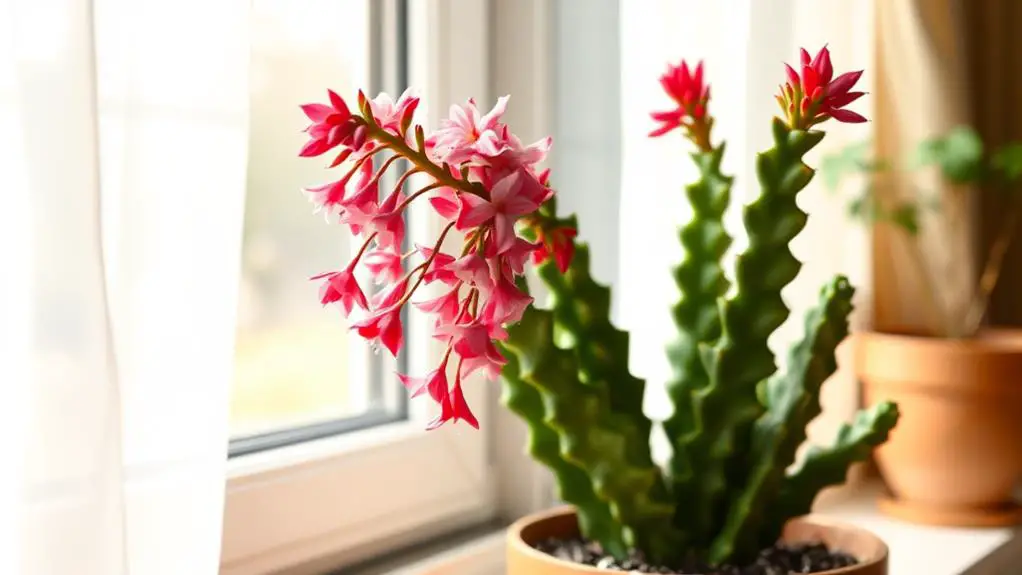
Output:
x=299 y=373
x=330 y=464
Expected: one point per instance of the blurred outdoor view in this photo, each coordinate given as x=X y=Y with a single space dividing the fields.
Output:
x=293 y=363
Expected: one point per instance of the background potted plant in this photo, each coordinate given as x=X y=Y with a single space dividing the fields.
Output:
x=954 y=458
x=729 y=495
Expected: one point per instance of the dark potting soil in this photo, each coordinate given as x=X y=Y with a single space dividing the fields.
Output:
x=776 y=560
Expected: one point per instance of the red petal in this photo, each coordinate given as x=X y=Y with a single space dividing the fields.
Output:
x=848 y=116
x=821 y=63
x=843 y=83
x=842 y=100
x=460 y=409
x=339 y=104
x=317 y=112
x=793 y=79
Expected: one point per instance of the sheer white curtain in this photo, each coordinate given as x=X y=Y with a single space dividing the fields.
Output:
x=123 y=133
x=744 y=44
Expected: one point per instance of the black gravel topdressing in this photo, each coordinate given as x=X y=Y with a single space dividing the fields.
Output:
x=777 y=560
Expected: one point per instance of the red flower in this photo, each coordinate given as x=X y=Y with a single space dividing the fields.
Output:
x=689 y=92
x=815 y=96
x=559 y=243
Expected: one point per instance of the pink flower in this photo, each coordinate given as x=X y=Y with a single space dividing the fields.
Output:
x=814 y=97
x=331 y=125
x=514 y=259
x=444 y=307
x=439 y=269
x=456 y=140
x=391 y=115
x=504 y=153
x=514 y=195
x=454 y=407
x=435 y=383
x=473 y=270
x=688 y=91
x=506 y=304
x=343 y=287
x=383 y=326
x=472 y=341
x=332 y=199
x=383 y=265
x=390 y=296
x=388 y=223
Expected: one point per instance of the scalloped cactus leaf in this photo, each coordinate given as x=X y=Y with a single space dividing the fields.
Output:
x=592 y=436
x=740 y=359
x=826 y=466
x=573 y=484
x=700 y=280
x=792 y=400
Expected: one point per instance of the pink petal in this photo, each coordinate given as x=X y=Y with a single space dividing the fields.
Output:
x=473 y=211
x=416 y=386
x=445 y=202
x=491 y=118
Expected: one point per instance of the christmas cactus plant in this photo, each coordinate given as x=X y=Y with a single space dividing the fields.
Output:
x=732 y=481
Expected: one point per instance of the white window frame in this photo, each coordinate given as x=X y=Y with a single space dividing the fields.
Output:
x=329 y=503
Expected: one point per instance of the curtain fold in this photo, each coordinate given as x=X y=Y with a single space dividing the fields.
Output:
x=922 y=91
x=744 y=45
x=123 y=135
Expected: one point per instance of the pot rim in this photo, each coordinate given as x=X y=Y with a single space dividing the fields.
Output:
x=865 y=565
x=993 y=341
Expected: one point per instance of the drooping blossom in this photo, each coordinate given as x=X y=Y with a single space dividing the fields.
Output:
x=814 y=96
x=483 y=182
x=341 y=287
x=331 y=125
x=690 y=94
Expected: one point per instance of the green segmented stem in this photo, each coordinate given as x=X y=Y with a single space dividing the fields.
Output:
x=792 y=402
x=573 y=485
x=700 y=279
x=827 y=466
x=591 y=436
x=581 y=309
x=725 y=408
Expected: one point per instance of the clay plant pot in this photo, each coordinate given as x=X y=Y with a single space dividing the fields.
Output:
x=953 y=458
x=560 y=522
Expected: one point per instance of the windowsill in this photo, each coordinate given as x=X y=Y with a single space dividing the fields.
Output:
x=914 y=548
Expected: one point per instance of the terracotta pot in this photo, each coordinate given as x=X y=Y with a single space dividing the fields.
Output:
x=953 y=458
x=523 y=559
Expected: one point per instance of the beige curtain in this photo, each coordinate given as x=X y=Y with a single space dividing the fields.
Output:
x=922 y=90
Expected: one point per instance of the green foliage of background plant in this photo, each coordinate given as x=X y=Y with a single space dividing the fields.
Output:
x=737 y=421
x=961 y=159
